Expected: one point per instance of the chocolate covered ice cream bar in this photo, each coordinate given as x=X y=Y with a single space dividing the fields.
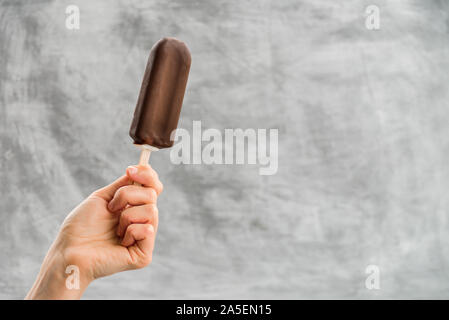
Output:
x=161 y=95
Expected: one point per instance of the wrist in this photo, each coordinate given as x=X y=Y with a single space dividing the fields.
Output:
x=60 y=277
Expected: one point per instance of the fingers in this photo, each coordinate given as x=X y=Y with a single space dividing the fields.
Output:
x=146 y=214
x=132 y=195
x=139 y=238
x=146 y=176
x=139 y=220
x=107 y=193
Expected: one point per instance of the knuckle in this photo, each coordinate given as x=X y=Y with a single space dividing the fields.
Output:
x=150 y=230
x=152 y=172
x=160 y=187
x=152 y=209
x=151 y=176
x=149 y=173
x=143 y=261
x=152 y=194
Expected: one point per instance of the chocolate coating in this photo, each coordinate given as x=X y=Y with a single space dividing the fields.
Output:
x=160 y=99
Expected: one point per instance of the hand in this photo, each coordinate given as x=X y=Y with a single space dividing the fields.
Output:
x=113 y=230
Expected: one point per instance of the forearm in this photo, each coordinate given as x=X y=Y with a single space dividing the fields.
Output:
x=51 y=280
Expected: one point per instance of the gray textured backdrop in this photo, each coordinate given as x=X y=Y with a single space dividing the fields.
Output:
x=363 y=144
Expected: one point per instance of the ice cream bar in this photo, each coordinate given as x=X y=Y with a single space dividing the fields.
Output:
x=160 y=99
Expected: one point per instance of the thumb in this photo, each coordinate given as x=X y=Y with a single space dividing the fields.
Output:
x=107 y=193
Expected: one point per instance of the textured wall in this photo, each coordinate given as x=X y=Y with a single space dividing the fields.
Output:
x=363 y=144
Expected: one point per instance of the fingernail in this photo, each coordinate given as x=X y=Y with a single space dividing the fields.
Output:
x=132 y=170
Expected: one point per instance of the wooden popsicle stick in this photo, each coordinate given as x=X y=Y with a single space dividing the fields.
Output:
x=145 y=156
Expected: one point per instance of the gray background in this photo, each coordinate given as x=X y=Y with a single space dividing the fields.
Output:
x=363 y=144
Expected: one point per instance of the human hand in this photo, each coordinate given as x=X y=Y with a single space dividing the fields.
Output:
x=113 y=230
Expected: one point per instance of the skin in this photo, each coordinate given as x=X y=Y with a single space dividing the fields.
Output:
x=113 y=230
